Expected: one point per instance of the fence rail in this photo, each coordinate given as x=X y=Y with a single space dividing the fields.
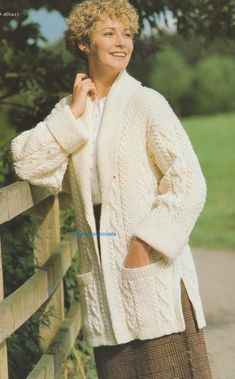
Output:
x=44 y=289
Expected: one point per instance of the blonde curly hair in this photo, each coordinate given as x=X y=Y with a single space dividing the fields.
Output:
x=85 y=16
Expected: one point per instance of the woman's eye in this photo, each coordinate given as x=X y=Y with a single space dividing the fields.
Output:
x=108 y=34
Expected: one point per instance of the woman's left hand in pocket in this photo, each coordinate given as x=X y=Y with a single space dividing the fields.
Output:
x=138 y=255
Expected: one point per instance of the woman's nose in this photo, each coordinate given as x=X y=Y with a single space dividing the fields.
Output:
x=120 y=41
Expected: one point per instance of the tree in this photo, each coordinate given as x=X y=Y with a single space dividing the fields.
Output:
x=212 y=18
x=214 y=72
x=171 y=76
x=26 y=73
x=26 y=69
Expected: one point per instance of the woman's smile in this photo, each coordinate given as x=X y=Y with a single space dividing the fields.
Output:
x=118 y=55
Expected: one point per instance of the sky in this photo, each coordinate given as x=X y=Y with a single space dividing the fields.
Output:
x=52 y=23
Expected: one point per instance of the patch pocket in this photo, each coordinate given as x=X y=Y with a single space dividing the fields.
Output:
x=90 y=307
x=145 y=294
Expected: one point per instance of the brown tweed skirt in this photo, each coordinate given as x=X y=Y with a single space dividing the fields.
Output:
x=176 y=356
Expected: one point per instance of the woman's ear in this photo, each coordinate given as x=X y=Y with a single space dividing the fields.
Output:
x=83 y=47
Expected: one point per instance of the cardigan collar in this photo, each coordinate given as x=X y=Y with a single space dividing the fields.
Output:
x=111 y=126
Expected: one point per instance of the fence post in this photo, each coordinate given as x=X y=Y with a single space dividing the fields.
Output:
x=46 y=240
x=3 y=346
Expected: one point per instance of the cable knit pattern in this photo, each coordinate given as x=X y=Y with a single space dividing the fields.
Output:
x=151 y=186
x=89 y=303
x=182 y=189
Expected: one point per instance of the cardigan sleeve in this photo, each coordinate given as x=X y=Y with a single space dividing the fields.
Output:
x=40 y=155
x=182 y=188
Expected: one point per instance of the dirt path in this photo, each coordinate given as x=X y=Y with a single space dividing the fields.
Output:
x=216 y=272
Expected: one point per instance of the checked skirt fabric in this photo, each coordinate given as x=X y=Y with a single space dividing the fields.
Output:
x=180 y=355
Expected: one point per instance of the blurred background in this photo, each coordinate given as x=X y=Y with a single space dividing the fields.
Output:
x=186 y=51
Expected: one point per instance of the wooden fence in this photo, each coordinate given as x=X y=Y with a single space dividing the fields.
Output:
x=45 y=288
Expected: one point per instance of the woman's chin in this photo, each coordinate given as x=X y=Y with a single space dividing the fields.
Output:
x=119 y=66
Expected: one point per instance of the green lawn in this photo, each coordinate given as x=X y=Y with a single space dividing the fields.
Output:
x=213 y=139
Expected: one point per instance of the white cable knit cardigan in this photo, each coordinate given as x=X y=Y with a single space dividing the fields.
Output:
x=152 y=187
x=97 y=112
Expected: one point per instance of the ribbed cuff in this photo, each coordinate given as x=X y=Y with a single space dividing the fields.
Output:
x=68 y=131
x=162 y=235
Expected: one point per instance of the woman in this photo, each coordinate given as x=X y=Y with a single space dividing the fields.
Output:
x=134 y=178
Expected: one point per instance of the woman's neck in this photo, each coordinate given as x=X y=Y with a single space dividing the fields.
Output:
x=103 y=81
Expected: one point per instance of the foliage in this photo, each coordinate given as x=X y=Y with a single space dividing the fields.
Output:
x=195 y=48
x=39 y=93
x=26 y=69
x=193 y=80
x=16 y=53
x=23 y=350
x=67 y=223
x=26 y=73
x=81 y=363
x=214 y=85
x=18 y=252
x=171 y=75
x=206 y=17
x=23 y=346
x=7 y=172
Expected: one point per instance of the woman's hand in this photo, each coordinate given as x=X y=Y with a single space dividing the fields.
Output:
x=138 y=255
x=83 y=87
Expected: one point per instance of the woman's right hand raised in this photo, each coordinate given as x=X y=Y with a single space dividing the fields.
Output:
x=83 y=87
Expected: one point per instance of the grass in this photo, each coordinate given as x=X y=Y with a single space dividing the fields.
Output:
x=213 y=139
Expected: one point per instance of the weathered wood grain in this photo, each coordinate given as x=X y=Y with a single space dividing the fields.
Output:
x=62 y=344
x=44 y=289
x=19 y=197
x=27 y=299
x=44 y=368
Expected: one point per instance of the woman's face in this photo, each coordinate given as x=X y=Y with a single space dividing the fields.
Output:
x=111 y=45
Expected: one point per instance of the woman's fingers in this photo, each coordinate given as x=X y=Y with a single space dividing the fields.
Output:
x=80 y=76
x=90 y=88
x=93 y=93
x=79 y=79
x=83 y=87
x=84 y=83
